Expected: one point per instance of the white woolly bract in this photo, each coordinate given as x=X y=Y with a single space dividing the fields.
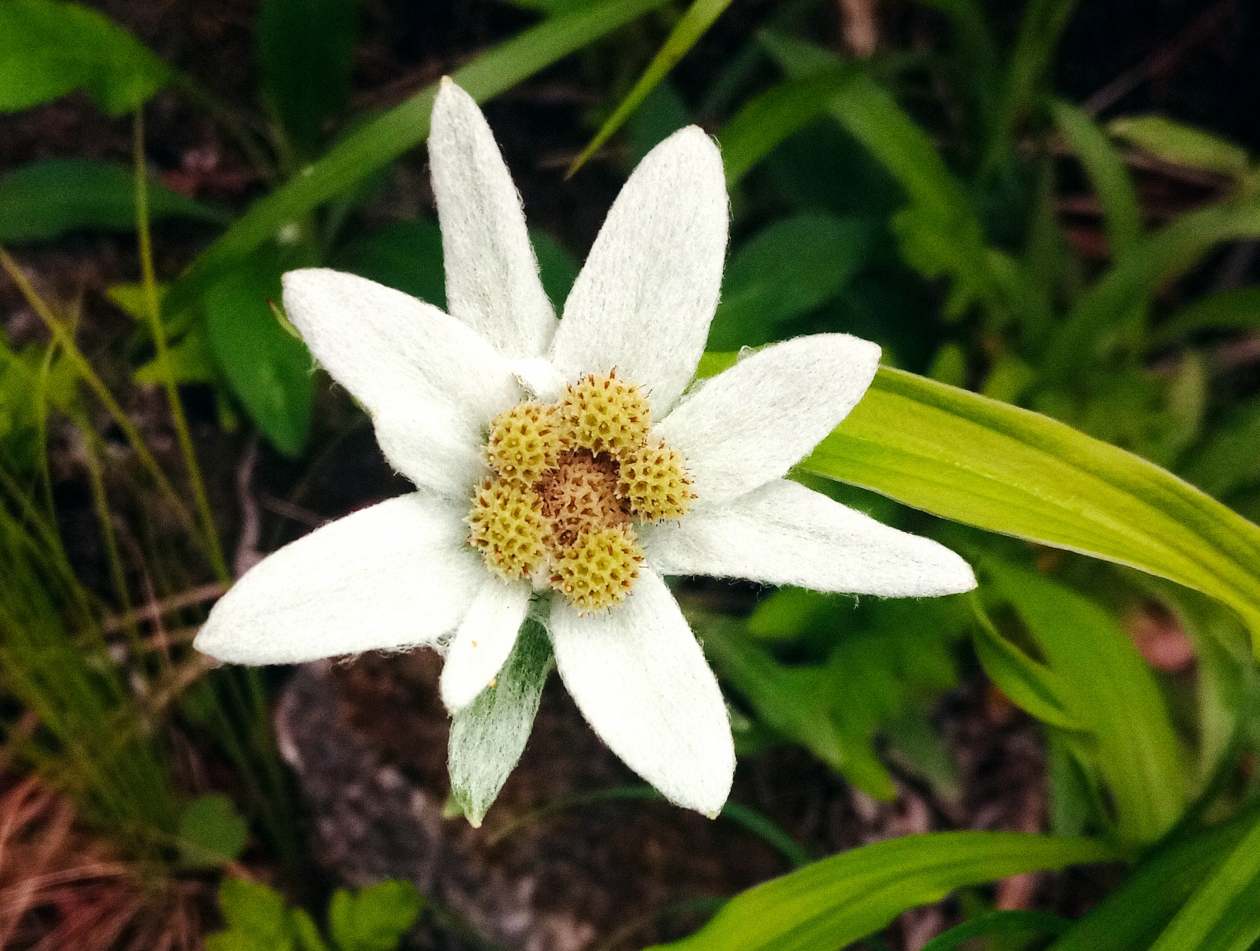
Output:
x=484 y=640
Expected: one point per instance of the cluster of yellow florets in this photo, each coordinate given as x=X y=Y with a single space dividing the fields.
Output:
x=570 y=479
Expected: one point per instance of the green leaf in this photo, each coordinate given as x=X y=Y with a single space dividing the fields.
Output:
x=374 y=919
x=686 y=33
x=1130 y=745
x=842 y=899
x=48 y=49
x=268 y=369
x=1031 y=61
x=1008 y=470
x=406 y=256
x=305 y=49
x=1180 y=144
x=1124 y=293
x=998 y=922
x=1132 y=916
x=381 y=140
x=190 y=361
x=45 y=200
x=1227 y=460
x=1107 y=173
x=488 y=736
x=1223 y=914
x=557 y=267
x=787 y=270
x=211 y=831
x=1031 y=686
x=1235 y=309
x=255 y=916
x=305 y=932
x=777 y=113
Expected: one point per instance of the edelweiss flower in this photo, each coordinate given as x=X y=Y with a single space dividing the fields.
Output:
x=560 y=468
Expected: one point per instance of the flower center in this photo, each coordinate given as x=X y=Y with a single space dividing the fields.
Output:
x=570 y=481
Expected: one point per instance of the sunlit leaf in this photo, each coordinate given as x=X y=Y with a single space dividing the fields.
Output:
x=686 y=33
x=839 y=900
x=1009 y=470
x=49 y=48
x=1180 y=144
x=47 y=199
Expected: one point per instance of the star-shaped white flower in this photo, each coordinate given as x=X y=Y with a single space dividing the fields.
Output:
x=661 y=484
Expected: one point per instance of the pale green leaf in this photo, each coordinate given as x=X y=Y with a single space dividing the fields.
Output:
x=686 y=33
x=49 y=48
x=1180 y=144
x=45 y=200
x=842 y=899
x=375 y=918
x=488 y=736
x=1005 y=469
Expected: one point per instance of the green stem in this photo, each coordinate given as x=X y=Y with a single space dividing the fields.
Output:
x=153 y=310
x=63 y=338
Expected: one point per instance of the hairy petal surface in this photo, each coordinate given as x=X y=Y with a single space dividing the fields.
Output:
x=644 y=300
x=491 y=273
x=641 y=680
x=398 y=574
x=484 y=640
x=753 y=422
x=784 y=533
x=429 y=381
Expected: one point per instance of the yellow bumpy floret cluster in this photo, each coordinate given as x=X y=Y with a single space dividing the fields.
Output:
x=570 y=480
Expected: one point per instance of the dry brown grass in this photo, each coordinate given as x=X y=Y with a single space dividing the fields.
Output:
x=63 y=889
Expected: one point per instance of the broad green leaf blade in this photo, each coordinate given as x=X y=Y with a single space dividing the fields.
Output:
x=778 y=112
x=1235 y=309
x=1223 y=914
x=1132 y=916
x=557 y=267
x=998 y=922
x=488 y=736
x=1181 y=144
x=1228 y=459
x=1107 y=173
x=1123 y=294
x=305 y=49
x=1131 y=745
x=841 y=899
x=393 y=132
x=686 y=33
x=49 y=48
x=46 y=199
x=787 y=270
x=1008 y=470
x=268 y=369
x=406 y=256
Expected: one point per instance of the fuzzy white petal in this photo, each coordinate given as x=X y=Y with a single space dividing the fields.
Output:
x=784 y=533
x=753 y=422
x=484 y=640
x=645 y=298
x=429 y=381
x=398 y=574
x=491 y=273
x=641 y=680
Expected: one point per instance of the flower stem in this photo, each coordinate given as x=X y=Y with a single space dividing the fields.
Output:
x=153 y=311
